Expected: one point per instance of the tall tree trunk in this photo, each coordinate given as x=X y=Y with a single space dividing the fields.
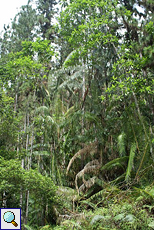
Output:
x=4 y=200
x=27 y=204
x=83 y=109
x=21 y=194
x=27 y=166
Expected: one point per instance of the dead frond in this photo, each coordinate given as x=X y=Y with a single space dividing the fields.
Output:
x=92 y=166
x=89 y=184
x=86 y=150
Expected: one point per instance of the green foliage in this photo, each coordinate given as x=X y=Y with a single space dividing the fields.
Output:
x=115 y=216
x=8 y=126
x=87 y=110
x=16 y=181
x=14 y=178
x=40 y=47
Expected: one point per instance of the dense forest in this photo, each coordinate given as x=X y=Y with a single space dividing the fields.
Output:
x=77 y=114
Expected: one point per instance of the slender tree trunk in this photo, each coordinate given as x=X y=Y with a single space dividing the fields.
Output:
x=83 y=110
x=27 y=204
x=31 y=151
x=21 y=194
x=16 y=101
x=27 y=162
x=4 y=200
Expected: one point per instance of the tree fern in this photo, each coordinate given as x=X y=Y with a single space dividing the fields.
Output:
x=130 y=162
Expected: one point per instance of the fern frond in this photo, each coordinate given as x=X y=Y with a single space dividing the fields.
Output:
x=96 y=218
x=88 y=203
x=105 y=193
x=97 y=195
x=130 y=162
x=144 y=192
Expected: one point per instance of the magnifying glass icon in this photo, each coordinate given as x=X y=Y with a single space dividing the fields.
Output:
x=9 y=217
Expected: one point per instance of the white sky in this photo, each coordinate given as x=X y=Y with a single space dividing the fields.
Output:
x=8 y=10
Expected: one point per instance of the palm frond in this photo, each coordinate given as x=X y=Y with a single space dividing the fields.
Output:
x=70 y=81
x=41 y=153
x=130 y=162
x=121 y=144
x=70 y=111
x=42 y=109
x=91 y=117
x=27 y=227
x=69 y=56
x=97 y=195
x=144 y=153
x=115 y=162
x=50 y=120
